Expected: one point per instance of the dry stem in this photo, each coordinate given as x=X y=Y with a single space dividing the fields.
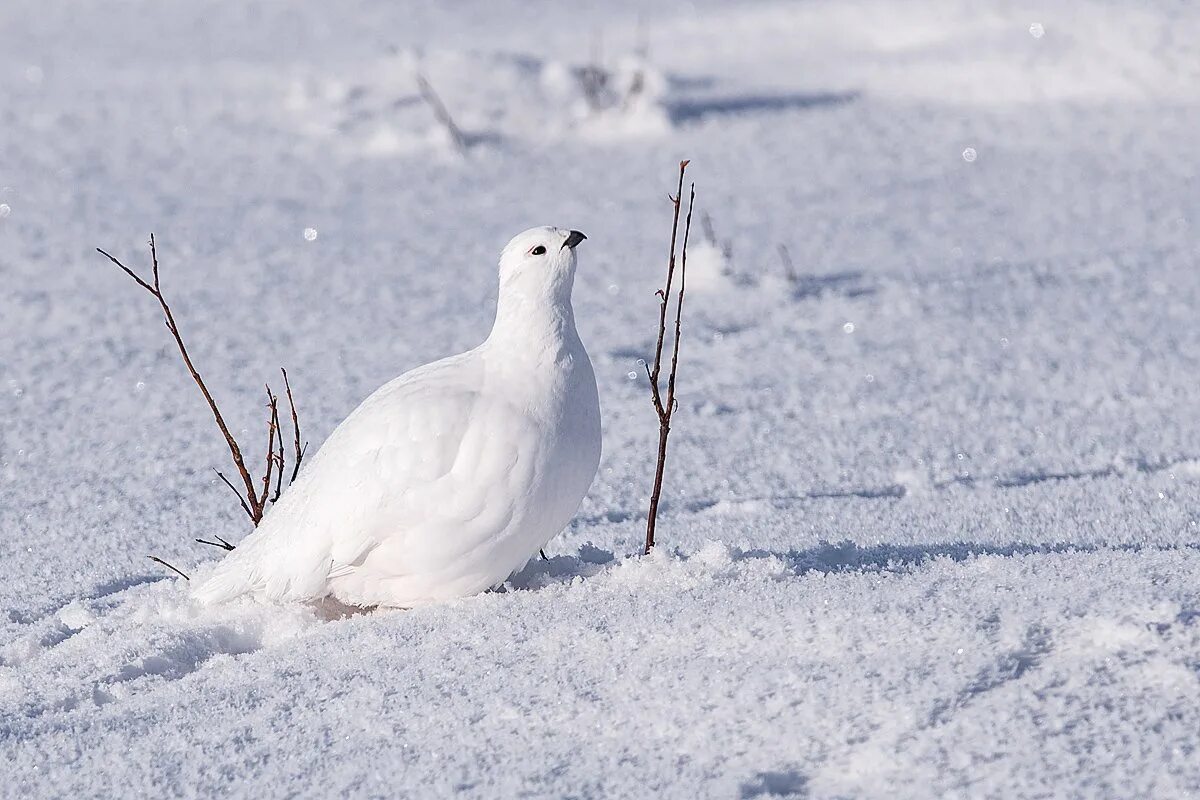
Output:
x=221 y=543
x=667 y=409
x=272 y=428
x=171 y=567
x=234 y=450
x=295 y=429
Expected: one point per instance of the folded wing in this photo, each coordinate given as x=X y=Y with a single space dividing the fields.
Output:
x=409 y=484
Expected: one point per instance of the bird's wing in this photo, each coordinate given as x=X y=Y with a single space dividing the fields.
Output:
x=413 y=479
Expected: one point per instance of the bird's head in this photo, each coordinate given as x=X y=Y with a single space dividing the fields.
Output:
x=540 y=259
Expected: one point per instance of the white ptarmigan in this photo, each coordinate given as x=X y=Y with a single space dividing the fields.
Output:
x=452 y=476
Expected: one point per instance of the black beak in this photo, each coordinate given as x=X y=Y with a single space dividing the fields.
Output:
x=573 y=238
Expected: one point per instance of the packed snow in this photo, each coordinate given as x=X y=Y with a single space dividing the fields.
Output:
x=930 y=515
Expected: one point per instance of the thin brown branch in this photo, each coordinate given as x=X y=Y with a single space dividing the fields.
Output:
x=221 y=543
x=295 y=429
x=710 y=235
x=154 y=268
x=237 y=493
x=280 y=465
x=253 y=505
x=667 y=409
x=663 y=295
x=129 y=272
x=174 y=569
x=441 y=113
x=272 y=427
x=672 y=403
x=280 y=459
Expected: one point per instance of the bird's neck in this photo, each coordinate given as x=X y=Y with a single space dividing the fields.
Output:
x=536 y=320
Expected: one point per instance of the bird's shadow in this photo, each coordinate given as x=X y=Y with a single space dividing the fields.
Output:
x=776 y=783
x=850 y=283
x=542 y=572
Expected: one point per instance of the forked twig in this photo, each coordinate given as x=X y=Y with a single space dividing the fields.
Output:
x=280 y=463
x=221 y=543
x=238 y=494
x=687 y=229
x=663 y=294
x=667 y=409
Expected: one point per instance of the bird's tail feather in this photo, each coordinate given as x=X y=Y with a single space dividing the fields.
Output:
x=229 y=580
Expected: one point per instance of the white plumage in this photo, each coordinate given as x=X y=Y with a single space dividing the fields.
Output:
x=452 y=476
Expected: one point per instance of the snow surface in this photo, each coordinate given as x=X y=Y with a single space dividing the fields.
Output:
x=931 y=521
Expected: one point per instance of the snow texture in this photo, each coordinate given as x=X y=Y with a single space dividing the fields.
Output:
x=931 y=515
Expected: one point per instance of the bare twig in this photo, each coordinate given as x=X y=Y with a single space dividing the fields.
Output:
x=250 y=499
x=663 y=294
x=174 y=569
x=238 y=494
x=279 y=463
x=667 y=409
x=295 y=428
x=280 y=458
x=272 y=428
x=441 y=113
x=221 y=543
x=687 y=229
x=235 y=451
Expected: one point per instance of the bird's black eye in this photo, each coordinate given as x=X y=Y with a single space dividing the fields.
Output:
x=540 y=250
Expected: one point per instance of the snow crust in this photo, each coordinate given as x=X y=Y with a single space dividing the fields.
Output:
x=931 y=523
